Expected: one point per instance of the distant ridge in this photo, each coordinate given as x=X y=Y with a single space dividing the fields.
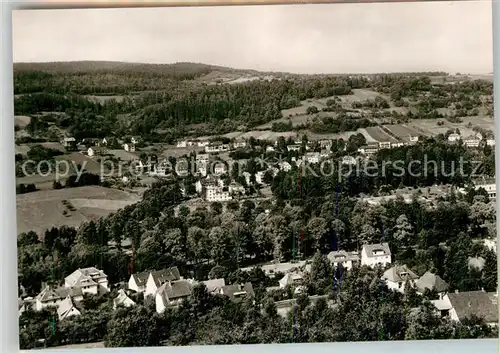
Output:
x=89 y=66
x=126 y=67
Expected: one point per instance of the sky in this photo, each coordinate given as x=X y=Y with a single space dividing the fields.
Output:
x=338 y=38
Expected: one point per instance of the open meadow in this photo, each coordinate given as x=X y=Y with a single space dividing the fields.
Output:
x=45 y=209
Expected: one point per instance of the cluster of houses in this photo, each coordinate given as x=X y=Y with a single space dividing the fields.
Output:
x=167 y=287
x=456 y=305
x=472 y=141
x=95 y=146
x=67 y=298
x=212 y=146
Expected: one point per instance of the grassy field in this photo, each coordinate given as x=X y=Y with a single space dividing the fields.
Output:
x=41 y=210
x=21 y=120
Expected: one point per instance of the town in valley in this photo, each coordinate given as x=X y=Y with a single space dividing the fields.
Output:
x=171 y=235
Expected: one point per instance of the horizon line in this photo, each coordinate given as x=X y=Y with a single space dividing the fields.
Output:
x=215 y=66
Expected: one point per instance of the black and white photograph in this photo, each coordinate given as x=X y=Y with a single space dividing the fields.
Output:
x=190 y=176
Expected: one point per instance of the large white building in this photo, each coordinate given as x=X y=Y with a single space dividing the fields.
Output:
x=216 y=147
x=473 y=140
x=376 y=254
x=215 y=193
x=487 y=184
x=89 y=280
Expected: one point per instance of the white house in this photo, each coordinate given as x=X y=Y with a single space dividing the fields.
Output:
x=293 y=147
x=312 y=157
x=182 y=144
x=491 y=244
x=137 y=281
x=326 y=144
x=369 y=149
x=135 y=140
x=413 y=138
x=95 y=151
x=67 y=308
x=398 y=276
x=454 y=137
x=172 y=293
x=202 y=157
x=90 y=280
x=270 y=149
x=374 y=254
x=431 y=282
x=220 y=168
x=490 y=142
x=285 y=166
x=291 y=278
x=384 y=144
x=122 y=300
x=343 y=258
x=239 y=144
x=203 y=143
x=54 y=296
x=157 y=278
x=129 y=147
x=68 y=142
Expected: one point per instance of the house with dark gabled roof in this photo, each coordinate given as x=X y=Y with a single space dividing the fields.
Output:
x=137 y=281
x=376 y=254
x=398 y=276
x=122 y=300
x=172 y=293
x=157 y=278
x=238 y=291
x=476 y=303
x=67 y=308
x=343 y=258
x=50 y=296
x=431 y=282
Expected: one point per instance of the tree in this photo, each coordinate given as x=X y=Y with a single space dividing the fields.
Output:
x=132 y=327
x=403 y=230
x=317 y=227
x=312 y=110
